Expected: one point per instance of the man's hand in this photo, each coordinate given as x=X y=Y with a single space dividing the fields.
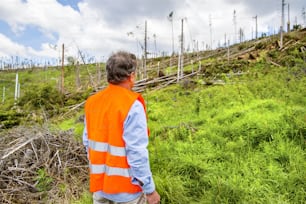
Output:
x=153 y=198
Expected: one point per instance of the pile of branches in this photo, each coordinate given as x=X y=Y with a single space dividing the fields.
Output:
x=40 y=166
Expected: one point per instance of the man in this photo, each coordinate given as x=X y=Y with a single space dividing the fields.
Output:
x=116 y=138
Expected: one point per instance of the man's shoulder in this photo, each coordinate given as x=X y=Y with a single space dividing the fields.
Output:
x=94 y=97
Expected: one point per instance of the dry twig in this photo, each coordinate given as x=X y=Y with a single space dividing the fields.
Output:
x=35 y=165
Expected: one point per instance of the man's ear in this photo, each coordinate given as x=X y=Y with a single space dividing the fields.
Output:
x=129 y=78
x=132 y=77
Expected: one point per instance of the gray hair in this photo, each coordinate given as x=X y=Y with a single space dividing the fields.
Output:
x=119 y=66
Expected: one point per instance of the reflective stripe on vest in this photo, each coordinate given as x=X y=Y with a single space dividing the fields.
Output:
x=105 y=147
x=110 y=171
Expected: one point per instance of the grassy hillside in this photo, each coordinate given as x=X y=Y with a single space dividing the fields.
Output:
x=241 y=140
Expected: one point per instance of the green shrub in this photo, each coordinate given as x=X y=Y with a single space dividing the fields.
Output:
x=43 y=180
x=260 y=45
x=9 y=119
x=46 y=96
x=46 y=100
x=273 y=54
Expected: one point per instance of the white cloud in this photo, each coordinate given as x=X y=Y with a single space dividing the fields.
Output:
x=100 y=27
x=9 y=47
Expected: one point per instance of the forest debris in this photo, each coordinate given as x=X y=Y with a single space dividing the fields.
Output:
x=35 y=165
x=244 y=56
x=243 y=52
x=303 y=49
x=274 y=63
x=288 y=45
x=253 y=56
x=17 y=148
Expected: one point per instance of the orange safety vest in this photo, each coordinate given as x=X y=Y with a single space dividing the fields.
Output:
x=105 y=114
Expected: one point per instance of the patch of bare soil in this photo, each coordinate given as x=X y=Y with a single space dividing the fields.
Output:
x=41 y=166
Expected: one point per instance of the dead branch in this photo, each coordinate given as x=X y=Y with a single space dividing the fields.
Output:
x=17 y=148
x=274 y=63
x=36 y=162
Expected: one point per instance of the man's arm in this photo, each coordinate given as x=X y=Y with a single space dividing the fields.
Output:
x=136 y=139
x=85 y=136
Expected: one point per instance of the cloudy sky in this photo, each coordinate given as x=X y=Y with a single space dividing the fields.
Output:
x=36 y=29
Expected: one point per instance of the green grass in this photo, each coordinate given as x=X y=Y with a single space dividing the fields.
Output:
x=36 y=78
x=74 y=124
x=243 y=142
x=86 y=198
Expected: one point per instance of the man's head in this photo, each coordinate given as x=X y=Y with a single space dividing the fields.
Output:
x=120 y=66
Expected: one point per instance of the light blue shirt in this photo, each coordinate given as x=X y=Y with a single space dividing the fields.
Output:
x=135 y=136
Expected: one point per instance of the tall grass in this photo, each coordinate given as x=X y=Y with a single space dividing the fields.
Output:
x=243 y=142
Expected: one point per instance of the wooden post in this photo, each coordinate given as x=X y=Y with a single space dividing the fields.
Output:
x=77 y=75
x=16 y=87
x=256 y=29
x=145 y=53
x=62 y=76
x=182 y=49
x=18 y=90
x=180 y=70
x=288 y=23
x=282 y=24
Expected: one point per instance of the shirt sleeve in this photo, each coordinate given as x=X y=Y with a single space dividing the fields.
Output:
x=135 y=135
x=85 y=136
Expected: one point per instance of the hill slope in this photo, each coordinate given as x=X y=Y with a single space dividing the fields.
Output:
x=234 y=131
